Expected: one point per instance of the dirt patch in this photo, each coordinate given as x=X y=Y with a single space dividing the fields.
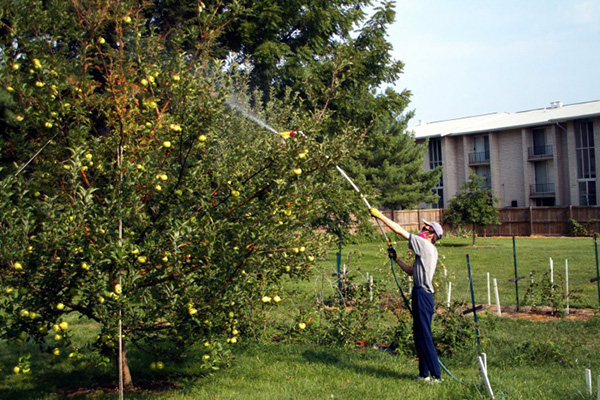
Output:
x=545 y=313
x=142 y=387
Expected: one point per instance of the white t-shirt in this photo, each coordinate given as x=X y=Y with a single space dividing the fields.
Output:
x=426 y=256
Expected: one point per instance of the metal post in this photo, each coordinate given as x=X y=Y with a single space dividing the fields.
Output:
x=516 y=273
x=597 y=269
x=473 y=301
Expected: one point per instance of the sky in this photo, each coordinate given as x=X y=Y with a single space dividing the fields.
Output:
x=471 y=57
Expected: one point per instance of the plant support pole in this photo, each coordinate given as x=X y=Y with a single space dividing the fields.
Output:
x=597 y=268
x=516 y=273
x=473 y=301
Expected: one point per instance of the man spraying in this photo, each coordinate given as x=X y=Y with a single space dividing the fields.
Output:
x=422 y=271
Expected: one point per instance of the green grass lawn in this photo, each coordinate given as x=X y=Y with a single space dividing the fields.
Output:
x=526 y=360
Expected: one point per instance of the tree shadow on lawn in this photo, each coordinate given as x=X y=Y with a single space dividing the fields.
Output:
x=329 y=359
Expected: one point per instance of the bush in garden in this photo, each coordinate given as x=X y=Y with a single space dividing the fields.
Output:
x=147 y=202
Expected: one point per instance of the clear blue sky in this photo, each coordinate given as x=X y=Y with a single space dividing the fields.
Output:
x=472 y=57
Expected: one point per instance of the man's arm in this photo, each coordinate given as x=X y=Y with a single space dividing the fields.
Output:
x=405 y=267
x=393 y=226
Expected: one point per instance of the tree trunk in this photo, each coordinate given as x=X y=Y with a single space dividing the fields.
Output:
x=127 y=382
x=474 y=234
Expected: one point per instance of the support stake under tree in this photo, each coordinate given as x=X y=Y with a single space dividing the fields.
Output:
x=597 y=278
x=475 y=308
x=517 y=278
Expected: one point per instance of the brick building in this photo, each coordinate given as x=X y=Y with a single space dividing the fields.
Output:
x=542 y=157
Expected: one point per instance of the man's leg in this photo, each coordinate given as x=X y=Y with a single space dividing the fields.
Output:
x=423 y=313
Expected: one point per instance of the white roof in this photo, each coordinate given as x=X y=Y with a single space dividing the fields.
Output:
x=505 y=121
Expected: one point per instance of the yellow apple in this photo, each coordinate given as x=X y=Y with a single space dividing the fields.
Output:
x=18 y=266
x=64 y=325
x=167 y=144
x=298 y=171
x=16 y=370
x=302 y=325
x=276 y=299
x=101 y=40
x=266 y=299
x=56 y=352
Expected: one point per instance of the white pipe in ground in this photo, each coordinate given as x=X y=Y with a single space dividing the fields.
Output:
x=588 y=381
x=449 y=294
x=484 y=375
x=567 y=285
x=497 y=297
x=489 y=293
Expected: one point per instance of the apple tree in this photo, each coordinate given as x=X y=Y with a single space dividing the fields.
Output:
x=132 y=193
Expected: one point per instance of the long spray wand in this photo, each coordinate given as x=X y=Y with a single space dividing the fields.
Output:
x=287 y=134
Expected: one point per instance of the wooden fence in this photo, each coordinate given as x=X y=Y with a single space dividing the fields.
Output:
x=515 y=221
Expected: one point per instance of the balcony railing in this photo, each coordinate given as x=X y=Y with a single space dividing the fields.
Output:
x=542 y=189
x=482 y=157
x=540 y=152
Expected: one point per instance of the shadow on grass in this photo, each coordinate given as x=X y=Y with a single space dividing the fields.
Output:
x=324 y=357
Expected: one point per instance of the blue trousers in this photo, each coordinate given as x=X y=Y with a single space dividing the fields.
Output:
x=422 y=307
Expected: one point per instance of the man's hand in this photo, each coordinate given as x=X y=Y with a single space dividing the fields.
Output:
x=392 y=253
x=376 y=213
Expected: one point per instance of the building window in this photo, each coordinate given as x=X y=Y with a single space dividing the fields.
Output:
x=586 y=162
x=435 y=160
x=484 y=172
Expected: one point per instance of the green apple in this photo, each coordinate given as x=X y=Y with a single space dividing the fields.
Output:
x=160 y=365
x=24 y=313
x=298 y=171
x=276 y=299
x=127 y=19
x=16 y=370
x=144 y=82
x=18 y=266
x=167 y=144
x=118 y=288
x=85 y=266
x=205 y=357
x=302 y=325
x=56 y=352
x=64 y=325
x=266 y=299
x=101 y=40
x=57 y=337
x=60 y=306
